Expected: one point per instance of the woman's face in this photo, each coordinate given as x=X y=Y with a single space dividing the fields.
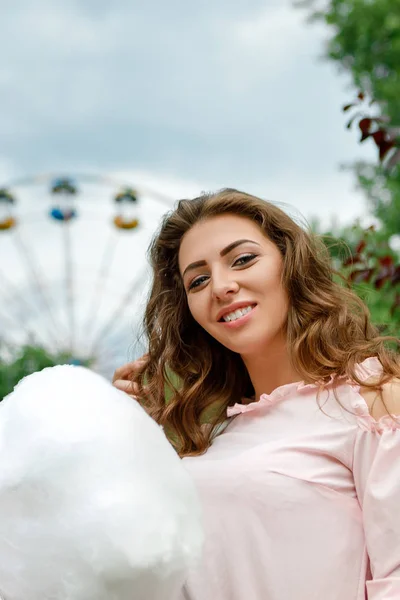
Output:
x=232 y=276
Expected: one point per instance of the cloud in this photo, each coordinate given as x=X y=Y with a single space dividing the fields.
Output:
x=216 y=92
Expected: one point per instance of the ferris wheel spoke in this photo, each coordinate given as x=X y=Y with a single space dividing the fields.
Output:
x=13 y=324
x=119 y=311
x=106 y=350
x=6 y=342
x=10 y=322
x=69 y=284
x=168 y=201
x=101 y=280
x=107 y=361
x=21 y=309
x=35 y=279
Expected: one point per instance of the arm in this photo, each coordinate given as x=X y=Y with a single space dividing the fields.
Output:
x=376 y=469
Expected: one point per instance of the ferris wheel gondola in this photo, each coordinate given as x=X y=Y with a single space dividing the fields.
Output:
x=7 y=201
x=126 y=202
x=62 y=286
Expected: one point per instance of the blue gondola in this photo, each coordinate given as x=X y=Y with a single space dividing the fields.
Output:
x=63 y=189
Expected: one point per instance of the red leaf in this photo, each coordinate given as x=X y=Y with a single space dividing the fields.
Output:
x=379 y=136
x=361 y=275
x=360 y=247
x=361 y=95
x=379 y=281
x=365 y=125
x=383 y=141
x=364 y=137
x=386 y=261
x=352 y=260
x=384 y=149
x=384 y=275
x=396 y=276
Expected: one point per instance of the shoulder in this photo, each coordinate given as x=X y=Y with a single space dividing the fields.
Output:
x=384 y=402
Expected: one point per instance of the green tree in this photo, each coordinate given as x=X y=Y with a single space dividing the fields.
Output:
x=365 y=43
x=368 y=264
x=17 y=363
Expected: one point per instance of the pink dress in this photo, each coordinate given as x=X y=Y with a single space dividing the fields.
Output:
x=300 y=503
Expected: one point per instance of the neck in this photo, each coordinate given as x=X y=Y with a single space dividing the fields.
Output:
x=270 y=369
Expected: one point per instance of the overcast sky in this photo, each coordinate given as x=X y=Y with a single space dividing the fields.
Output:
x=181 y=96
x=205 y=94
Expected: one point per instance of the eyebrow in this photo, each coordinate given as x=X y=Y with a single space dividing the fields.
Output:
x=224 y=252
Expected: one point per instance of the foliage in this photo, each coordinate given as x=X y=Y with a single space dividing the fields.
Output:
x=17 y=363
x=382 y=189
x=369 y=265
x=365 y=43
x=377 y=128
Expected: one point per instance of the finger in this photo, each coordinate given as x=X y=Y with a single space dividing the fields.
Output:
x=126 y=386
x=126 y=370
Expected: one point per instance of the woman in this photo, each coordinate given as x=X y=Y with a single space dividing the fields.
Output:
x=282 y=401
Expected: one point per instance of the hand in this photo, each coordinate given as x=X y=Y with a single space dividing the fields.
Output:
x=123 y=376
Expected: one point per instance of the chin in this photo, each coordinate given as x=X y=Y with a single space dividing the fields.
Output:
x=254 y=345
x=242 y=349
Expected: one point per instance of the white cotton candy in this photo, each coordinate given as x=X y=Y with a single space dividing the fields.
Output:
x=94 y=502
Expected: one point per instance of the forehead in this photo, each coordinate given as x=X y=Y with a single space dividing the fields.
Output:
x=210 y=236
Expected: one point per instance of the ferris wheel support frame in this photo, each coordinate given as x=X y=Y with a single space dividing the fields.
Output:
x=38 y=285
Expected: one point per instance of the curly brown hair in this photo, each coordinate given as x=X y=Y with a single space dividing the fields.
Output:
x=328 y=327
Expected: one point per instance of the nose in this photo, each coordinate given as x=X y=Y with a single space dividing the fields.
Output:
x=224 y=286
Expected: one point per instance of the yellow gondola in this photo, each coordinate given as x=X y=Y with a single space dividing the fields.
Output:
x=7 y=223
x=121 y=224
x=126 y=201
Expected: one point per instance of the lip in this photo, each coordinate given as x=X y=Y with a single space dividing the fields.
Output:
x=233 y=307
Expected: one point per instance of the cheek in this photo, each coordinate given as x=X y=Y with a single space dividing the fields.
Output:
x=196 y=310
x=282 y=306
x=276 y=300
x=279 y=296
x=199 y=311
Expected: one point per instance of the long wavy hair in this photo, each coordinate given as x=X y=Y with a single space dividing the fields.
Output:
x=189 y=379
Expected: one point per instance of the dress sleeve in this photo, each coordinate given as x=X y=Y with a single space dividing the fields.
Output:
x=376 y=469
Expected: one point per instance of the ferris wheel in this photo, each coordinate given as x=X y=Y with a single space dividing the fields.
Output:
x=73 y=270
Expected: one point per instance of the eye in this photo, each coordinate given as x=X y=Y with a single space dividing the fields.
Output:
x=244 y=259
x=197 y=282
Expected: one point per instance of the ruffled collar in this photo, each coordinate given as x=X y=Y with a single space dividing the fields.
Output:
x=268 y=400
x=369 y=367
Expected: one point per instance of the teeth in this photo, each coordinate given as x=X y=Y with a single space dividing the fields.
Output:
x=236 y=314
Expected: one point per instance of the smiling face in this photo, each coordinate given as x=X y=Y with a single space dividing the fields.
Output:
x=232 y=274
